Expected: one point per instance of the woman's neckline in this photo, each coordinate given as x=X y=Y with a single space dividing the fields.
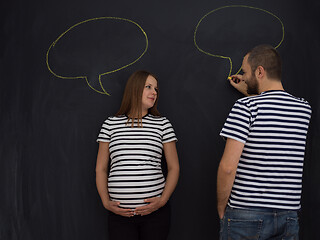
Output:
x=136 y=118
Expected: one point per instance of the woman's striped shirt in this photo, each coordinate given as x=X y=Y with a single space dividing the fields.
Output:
x=135 y=153
x=273 y=126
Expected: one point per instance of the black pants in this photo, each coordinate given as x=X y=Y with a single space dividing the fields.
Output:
x=154 y=226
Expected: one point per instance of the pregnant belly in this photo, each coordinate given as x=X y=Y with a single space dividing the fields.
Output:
x=132 y=189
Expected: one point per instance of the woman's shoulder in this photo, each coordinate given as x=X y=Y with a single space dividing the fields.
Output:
x=115 y=118
x=159 y=119
x=156 y=118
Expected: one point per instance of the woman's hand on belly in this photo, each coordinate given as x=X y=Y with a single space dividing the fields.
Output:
x=114 y=207
x=153 y=205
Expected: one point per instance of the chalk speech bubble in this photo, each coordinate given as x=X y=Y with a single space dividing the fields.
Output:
x=239 y=16
x=67 y=32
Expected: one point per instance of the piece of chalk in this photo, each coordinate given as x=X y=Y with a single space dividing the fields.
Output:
x=229 y=78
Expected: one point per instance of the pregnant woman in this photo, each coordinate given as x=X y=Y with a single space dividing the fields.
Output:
x=134 y=189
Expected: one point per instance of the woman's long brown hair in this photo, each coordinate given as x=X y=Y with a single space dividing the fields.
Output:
x=132 y=98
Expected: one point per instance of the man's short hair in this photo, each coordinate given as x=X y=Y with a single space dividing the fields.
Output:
x=267 y=57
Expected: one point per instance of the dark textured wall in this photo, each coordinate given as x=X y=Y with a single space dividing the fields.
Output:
x=49 y=124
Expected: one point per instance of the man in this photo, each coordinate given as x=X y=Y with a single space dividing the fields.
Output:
x=260 y=174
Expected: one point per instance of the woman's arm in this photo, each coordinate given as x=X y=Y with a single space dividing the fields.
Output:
x=171 y=155
x=155 y=203
x=102 y=182
x=101 y=172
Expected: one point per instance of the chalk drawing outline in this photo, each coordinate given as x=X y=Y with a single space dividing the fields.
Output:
x=229 y=6
x=102 y=74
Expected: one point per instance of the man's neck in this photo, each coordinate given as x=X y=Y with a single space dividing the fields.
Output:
x=271 y=85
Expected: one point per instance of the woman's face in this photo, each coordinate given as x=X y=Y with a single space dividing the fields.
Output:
x=149 y=94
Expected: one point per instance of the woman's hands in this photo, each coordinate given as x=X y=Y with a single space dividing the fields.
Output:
x=114 y=207
x=153 y=205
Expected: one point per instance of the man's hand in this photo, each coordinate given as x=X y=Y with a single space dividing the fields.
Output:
x=114 y=207
x=153 y=205
x=238 y=83
x=221 y=211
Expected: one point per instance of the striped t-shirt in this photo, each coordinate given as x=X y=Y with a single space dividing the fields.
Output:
x=135 y=154
x=273 y=126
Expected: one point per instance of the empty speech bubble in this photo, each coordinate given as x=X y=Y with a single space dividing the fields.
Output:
x=224 y=32
x=97 y=46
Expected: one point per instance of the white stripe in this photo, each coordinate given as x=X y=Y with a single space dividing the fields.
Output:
x=273 y=145
x=235 y=133
x=293 y=180
x=260 y=195
x=266 y=205
x=266 y=157
x=141 y=195
x=269 y=174
x=275 y=185
x=266 y=190
x=266 y=163
x=134 y=184
x=290 y=201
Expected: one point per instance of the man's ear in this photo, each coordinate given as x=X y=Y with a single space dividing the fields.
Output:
x=260 y=72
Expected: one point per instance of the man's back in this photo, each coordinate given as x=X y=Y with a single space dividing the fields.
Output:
x=273 y=126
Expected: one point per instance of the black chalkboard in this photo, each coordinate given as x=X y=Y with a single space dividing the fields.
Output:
x=64 y=65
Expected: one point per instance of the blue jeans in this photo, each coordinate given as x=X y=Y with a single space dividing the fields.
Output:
x=259 y=223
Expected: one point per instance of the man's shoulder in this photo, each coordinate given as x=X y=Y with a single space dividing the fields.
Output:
x=276 y=97
x=301 y=100
x=249 y=101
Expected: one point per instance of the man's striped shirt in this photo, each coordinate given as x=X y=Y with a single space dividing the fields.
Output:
x=273 y=126
x=135 y=153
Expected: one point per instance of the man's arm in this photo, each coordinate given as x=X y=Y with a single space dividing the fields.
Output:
x=227 y=172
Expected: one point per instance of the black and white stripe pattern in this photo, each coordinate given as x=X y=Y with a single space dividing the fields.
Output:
x=273 y=126
x=135 y=153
